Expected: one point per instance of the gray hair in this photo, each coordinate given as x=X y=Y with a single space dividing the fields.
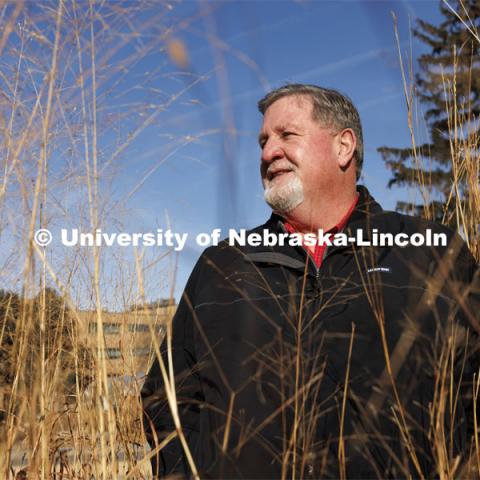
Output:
x=330 y=107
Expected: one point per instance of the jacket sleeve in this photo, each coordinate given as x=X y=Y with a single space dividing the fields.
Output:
x=465 y=289
x=157 y=417
x=464 y=285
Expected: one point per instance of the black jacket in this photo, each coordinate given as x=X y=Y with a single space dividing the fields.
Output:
x=261 y=344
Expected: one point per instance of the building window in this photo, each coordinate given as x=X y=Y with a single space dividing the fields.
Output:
x=113 y=352
x=108 y=328
x=144 y=328
x=138 y=327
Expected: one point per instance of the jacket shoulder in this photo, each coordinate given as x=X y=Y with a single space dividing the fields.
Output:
x=450 y=242
x=225 y=251
x=221 y=259
x=411 y=224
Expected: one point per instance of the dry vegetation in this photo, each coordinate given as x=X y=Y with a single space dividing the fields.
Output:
x=464 y=139
x=80 y=83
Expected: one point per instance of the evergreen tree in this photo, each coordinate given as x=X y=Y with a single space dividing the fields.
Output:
x=448 y=86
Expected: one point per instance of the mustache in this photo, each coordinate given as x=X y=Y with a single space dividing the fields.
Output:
x=281 y=166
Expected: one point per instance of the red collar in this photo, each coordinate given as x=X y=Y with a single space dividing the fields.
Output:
x=318 y=252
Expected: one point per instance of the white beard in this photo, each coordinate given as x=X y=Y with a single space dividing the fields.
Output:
x=284 y=198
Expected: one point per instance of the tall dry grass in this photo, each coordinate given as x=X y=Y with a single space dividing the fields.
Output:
x=462 y=205
x=445 y=357
x=81 y=86
x=67 y=127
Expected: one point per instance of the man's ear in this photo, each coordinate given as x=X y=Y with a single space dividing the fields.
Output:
x=345 y=145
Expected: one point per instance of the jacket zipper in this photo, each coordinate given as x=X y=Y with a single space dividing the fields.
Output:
x=330 y=253
x=310 y=259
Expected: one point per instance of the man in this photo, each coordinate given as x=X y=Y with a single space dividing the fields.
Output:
x=318 y=361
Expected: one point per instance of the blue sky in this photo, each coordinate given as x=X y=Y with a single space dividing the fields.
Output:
x=196 y=166
x=214 y=181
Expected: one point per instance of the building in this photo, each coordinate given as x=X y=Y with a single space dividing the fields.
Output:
x=127 y=337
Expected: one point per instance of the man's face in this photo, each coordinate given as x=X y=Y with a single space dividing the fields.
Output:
x=298 y=160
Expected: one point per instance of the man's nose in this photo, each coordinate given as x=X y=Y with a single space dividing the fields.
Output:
x=271 y=151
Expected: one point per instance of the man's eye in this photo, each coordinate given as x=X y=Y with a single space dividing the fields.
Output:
x=287 y=134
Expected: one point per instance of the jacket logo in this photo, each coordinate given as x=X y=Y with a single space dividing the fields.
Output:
x=379 y=269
